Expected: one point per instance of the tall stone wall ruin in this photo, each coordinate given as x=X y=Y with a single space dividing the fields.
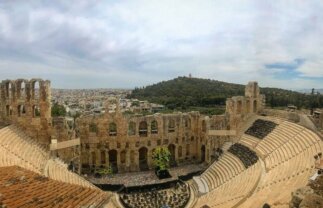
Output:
x=26 y=103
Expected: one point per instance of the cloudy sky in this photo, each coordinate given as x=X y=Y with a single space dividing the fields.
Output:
x=90 y=44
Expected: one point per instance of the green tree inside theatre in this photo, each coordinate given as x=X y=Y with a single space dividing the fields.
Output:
x=58 y=110
x=161 y=157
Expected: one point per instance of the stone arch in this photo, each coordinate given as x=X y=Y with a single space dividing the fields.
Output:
x=113 y=160
x=154 y=127
x=9 y=90
x=21 y=109
x=8 y=110
x=255 y=106
x=35 y=89
x=112 y=129
x=172 y=150
x=21 y=89
x=203 y=153
x=143 y=158
x=36 y=111
x=143 y=129
x=132 y=128
x=171 y=125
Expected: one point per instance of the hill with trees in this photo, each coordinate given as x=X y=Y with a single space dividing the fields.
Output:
x=209 y=96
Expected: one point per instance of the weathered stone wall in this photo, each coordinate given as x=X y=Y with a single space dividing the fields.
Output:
x=124 y=141
x=135 y=138
x=26 y=103
x=239 y=108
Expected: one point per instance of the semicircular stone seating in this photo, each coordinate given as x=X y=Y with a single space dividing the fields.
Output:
x=287 y=162
x=16 y=148
x=288 y=153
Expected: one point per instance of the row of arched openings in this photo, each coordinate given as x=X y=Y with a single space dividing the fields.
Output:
x=143 y=156
x=142 y=128
x=21 y=110
x=21 y=90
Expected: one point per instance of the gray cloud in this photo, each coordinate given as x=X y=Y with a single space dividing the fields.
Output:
x=133 y=43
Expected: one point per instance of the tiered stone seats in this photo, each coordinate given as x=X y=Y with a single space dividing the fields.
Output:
x=247 y=156
x=261 y=128
x=221 y=171
x=176 y=197
x=16 y=148
x=289 y=161
x=57 y=170
x=234 y=191
x=21 y=151
x=278 y=137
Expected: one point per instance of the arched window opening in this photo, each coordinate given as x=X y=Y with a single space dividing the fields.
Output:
x=171 y=125
x=154 y=127
x=8 y=110
x=23 y=90
x=112 y=129
x=132 y=128
x=93 y=128
x=21 y=110
x=143 y=162
x=36 y=111
x=143 y=129
x=9 y=90
x=113 y=160
x=36 y=90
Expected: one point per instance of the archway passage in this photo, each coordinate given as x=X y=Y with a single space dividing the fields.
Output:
x=255 y=106
x=203 y=153
x=172 y=161
x=143 y=155
x=113 y=160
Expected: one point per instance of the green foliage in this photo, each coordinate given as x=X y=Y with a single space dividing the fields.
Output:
x=106 y=171
x=58 y=110
x=185 y=93
x=135 y=103
x=161 y=157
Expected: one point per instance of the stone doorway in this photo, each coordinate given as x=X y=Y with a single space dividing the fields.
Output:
x=113 y=160
x=172 y=161
x=143 y=155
